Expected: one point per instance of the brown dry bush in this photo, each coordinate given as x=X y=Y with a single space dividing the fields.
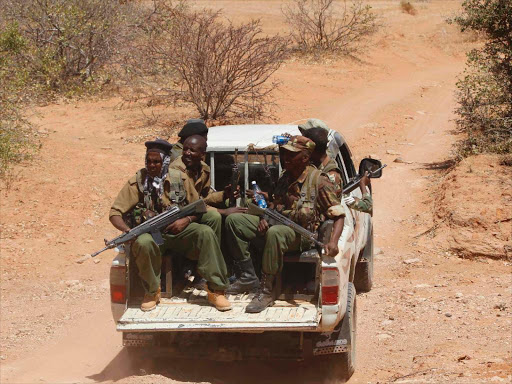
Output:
x=223 y=70
x=407 y=7
x=324 y=26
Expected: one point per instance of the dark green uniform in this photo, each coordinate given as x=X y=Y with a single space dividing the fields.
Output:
x=308 y=200
x=197 y=241
x=176 y=151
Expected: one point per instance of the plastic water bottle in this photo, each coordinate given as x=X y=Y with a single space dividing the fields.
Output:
x=258 y=196
x=280 y=140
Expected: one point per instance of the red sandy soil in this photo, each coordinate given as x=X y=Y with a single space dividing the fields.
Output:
x=431 y=317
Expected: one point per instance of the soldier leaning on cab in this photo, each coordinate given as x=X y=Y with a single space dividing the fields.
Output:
x=303 y=194
x=150 y=192
x=190 y=180
x=318 y=131
x=191 y=127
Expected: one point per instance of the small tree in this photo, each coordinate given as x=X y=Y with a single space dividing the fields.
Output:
x=485 y=92
x=319 y=25
x=224 y=70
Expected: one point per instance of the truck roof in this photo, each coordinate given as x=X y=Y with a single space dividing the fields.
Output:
x=231 y=137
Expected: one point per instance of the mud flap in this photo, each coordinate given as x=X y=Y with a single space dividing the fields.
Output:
x=330 y=342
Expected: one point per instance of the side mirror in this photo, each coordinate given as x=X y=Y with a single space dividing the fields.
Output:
x=370 y=165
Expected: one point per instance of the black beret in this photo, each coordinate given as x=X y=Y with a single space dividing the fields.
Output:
x=193 y=127
x=158 y=145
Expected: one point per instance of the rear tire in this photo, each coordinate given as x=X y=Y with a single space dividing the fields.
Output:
x=340 y=366
x=363 y=279
x=347 y=360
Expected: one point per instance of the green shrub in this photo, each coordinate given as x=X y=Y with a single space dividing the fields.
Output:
x=485 y=92
x=63 y=43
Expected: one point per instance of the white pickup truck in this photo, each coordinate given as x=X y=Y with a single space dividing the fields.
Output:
x=316 y=311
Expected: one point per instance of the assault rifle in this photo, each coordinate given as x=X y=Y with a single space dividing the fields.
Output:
x=354 y=184
x=235 y=179
x=155 y=225
x=273 y=216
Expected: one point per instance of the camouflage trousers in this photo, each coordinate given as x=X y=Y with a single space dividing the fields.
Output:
x=197 y=242
x=241 y=229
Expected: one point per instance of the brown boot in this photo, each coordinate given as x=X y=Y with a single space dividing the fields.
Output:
x=218 y=300
x=150 y=301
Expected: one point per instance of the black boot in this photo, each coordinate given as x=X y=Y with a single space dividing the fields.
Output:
x=264 y=298
x=246 y=280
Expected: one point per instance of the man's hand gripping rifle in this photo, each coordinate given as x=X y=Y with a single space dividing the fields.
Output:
x=354 y=184
x=275 y=217
x=156 y=225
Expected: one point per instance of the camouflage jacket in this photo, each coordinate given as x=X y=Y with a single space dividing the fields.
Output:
x=330 y=167
x=364 y=205
x=185 y=189
x=308 y=199
x=131 y=197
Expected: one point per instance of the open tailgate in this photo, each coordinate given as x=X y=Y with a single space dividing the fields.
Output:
x=195 y=313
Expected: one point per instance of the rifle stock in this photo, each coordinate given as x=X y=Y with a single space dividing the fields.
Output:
x=155 y=225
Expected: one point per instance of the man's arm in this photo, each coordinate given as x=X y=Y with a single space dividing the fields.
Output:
x=331 y=248
x=127 y=198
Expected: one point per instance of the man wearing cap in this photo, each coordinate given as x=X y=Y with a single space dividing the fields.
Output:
x=191 y=127
x=303 y=194
x=148 y=193
x=318 y=131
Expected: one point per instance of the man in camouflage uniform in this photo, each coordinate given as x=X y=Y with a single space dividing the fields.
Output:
x=318 y=131
x=191 y=127
x=150 y=192
x=306 y=196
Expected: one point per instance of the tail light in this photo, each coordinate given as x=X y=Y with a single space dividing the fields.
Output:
x=118 y=284
x=330 y=286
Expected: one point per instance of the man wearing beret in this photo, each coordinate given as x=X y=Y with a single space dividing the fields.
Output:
x=191 y=127
x=150 y=192
x=303 y=194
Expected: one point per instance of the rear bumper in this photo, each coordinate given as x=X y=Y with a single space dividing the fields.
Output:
x=231 y=346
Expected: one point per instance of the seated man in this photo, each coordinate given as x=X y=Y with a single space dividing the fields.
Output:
x=191 y=127
x=148 y=193
x=306 y=196
x=318 y=133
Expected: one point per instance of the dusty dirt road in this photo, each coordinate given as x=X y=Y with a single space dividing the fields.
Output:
x=431 y=317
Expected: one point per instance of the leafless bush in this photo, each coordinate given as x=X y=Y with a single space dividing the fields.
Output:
x=407 y=7
x=224 y=70
x=322 y=25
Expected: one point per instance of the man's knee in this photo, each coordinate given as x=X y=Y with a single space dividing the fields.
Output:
x=213 y=216
x=231 y=221
x=274 y=233
x=143 y=242
x=203 y=231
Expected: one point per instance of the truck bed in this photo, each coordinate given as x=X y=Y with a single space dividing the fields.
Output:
x=191 y=311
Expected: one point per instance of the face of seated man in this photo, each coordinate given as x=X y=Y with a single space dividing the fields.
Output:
x=294 y=162
x=154 y=164
x=194 y=149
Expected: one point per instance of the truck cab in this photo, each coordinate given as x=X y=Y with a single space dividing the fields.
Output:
x=315 y=314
